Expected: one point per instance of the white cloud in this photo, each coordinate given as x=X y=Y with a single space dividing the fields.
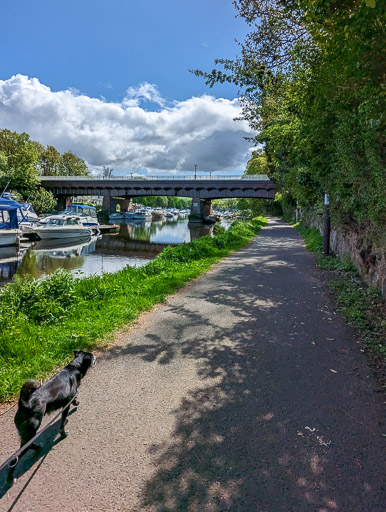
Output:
x=145 y=92
x=200 y=130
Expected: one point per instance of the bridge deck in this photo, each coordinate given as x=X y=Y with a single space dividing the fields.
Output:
x=183 y=186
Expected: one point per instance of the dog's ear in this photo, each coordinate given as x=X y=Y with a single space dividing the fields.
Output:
x=77 y=352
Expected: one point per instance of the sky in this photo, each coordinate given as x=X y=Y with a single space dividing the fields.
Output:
x=109 y=80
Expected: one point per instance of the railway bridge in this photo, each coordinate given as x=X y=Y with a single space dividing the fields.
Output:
x=202 y=189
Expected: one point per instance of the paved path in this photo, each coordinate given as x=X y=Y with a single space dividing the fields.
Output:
x=246 y=392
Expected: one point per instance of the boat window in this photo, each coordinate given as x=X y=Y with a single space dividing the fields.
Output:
x=72 y=222
x=4 y=216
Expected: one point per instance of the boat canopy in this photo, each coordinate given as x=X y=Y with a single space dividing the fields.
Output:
x=9 y=210
x=81 y=209
x=83 y=206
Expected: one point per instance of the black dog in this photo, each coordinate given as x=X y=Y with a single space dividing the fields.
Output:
x=35 y=401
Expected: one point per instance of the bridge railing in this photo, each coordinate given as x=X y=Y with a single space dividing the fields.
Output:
x=174 y=177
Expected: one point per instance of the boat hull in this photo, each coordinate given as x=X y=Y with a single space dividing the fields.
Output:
x=63 y=232
x=9 y=237
x=143 y=216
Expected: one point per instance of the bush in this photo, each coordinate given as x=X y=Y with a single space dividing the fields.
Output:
x=43 y=301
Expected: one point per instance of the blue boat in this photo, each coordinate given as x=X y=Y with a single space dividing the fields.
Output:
x=10 y=214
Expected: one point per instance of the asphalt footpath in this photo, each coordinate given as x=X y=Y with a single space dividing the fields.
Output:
x=245 y=392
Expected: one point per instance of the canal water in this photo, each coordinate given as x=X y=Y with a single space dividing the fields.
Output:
x=135 y=244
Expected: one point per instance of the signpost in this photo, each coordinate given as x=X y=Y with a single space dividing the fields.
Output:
x=326 y=226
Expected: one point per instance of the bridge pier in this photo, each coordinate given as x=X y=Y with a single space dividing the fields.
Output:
x=106 y=204
x=126 y=204
x=200 y=210
x=63 y=202
x=110 y=204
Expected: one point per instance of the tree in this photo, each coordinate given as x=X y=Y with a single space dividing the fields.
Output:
x=256 y=165
x=22 y=160
x=107 y=171
x=3 y=163
x=161 y=202
x=310 y=75
x=72 y=165
x=43 y=201
x=19 y=162
x=50 y=161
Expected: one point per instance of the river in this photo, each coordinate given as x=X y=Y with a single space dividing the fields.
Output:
x=134 y=245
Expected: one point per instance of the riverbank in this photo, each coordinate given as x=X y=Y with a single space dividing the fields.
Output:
x=42 y=322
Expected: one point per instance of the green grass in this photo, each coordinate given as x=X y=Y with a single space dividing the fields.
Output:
x=311 y=236
x=42 y=322
x=361 y=305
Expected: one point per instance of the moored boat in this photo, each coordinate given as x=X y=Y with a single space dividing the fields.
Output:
x=142 y=214
x=170 y=215
x=9 y=224
x=87 y=214
x=63 y=226
x=157 y=214
x=9 y=237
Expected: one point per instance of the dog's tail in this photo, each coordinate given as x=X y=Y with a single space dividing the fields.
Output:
x=26 y=391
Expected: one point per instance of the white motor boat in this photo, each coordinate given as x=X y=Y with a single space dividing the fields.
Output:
x=142 y=214
x=87 y=214
x=63 y=226
x=169 y=215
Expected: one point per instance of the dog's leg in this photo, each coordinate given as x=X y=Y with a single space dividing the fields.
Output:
x=27 y=436
x=11 y=470
x=63 y=422
x=76 y=400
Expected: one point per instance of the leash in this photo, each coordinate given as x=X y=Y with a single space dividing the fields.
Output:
x=13 y=460
x=9 y=408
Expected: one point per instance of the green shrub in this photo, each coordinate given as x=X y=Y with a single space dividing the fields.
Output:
x=218 y=229
x=43 y=301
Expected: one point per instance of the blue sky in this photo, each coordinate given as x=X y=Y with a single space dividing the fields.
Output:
x=131 y=55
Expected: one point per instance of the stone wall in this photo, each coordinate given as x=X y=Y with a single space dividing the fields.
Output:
x=368 y=257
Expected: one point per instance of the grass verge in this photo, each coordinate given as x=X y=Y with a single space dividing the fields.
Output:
x=362 y=306
x=42 y=322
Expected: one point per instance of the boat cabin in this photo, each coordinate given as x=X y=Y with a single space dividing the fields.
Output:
x=61 y=220
x=83 y=210
x=10 y=213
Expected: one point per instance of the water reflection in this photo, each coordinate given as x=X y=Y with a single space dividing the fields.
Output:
x=167 y=232
x=46 y=256
x=136 y=243
x=10 y=259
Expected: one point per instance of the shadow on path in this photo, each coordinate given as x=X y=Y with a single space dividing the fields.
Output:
x=47 y=441
x=280 y=423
